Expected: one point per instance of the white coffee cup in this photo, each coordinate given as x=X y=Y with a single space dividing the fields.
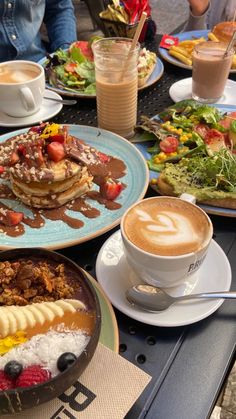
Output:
x=166 y=239
x=22 y=86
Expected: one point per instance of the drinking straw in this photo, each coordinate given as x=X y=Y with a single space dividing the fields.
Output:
x=234 y=15
x=230 y=44
x=134 y=41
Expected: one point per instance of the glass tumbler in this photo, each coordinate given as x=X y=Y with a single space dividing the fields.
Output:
x=116 y=84
x=211 y=68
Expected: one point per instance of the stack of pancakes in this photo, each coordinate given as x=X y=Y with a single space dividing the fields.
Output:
x=46 y=185
x=64 y=186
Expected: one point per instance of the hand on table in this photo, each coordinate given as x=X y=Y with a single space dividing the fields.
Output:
x=198 y=7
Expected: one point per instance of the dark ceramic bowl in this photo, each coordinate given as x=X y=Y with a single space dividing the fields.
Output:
x=15 y=401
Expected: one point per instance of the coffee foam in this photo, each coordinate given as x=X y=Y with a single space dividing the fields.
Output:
x=167 y=227
x=12 y=75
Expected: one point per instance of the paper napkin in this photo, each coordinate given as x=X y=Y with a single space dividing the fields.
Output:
x=106 y=390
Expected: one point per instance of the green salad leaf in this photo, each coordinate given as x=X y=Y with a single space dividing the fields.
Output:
x=71 y=70
x=209 y=114
x=76 y=55
x=86 y=71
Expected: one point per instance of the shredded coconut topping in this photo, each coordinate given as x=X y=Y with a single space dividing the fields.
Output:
x=38 y=350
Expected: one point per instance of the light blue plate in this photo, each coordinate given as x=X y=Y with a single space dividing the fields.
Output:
x=57 y=234
x=156 y=74
x=183 y=37
x=154 y=77
x=154 y=175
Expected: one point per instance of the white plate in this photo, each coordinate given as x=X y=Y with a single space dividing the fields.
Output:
x=47 y=111
x=115 y=277
x=182 y=89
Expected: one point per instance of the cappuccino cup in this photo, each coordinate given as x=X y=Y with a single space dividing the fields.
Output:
x=22 y=86
x=166 y=239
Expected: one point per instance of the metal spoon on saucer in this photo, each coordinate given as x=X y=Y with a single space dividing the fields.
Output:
x=153 y=299
x=63 y=101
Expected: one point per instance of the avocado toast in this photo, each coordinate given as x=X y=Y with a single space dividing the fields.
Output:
x=193 y=150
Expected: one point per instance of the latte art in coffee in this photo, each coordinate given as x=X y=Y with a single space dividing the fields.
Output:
x=11 y=75
x=166 y=227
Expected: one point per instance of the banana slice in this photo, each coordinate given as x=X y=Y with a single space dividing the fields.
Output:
x=46 y=311
x=39 y=317
x=19 y=316
x=4 y=322
x=12 y=323
x=77 y=304
x=57 y=310
x=65 y=305
x=31 y=321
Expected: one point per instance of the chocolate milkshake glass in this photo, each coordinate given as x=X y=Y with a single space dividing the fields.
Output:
x=116 y=84
x=210 y=71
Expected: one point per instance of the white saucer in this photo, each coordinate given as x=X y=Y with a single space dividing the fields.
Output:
x=182 y=89
x=48 y=110
x=115 y=277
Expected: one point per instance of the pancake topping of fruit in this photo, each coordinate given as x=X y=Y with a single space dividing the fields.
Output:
x=50 y=171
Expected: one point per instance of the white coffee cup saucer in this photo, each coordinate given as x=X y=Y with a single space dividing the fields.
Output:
x=47 y=111
x=182 y=89
x=115 y=276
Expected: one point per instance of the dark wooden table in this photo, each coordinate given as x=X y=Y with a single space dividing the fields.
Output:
x=188 y=364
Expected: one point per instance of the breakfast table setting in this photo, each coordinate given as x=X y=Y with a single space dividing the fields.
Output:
x=167 y=364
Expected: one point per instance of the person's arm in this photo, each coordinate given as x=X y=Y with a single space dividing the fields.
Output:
x=198 y=7
x=60 y=21
x=197 y=14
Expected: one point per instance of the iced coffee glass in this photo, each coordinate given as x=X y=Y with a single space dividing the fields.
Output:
x=210 y=71
x=116 y=84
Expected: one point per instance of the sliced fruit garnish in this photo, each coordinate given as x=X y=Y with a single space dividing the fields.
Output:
x=110 y=189
x=57 y=137
x=5 y=382
x=11 y=218
x=56 y=151
x=21 y=149
x=34 y=374
x=104 y=158
x=14 y=158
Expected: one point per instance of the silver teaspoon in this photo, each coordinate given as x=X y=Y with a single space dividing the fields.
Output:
x=63 y=101
x=153 y=299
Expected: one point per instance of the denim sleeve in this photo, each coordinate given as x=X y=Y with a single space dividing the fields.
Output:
x=60 y=21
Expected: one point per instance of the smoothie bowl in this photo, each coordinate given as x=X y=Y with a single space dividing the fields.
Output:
x=50 y=324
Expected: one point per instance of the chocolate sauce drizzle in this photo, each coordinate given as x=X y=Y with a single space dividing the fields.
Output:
x=114 y=168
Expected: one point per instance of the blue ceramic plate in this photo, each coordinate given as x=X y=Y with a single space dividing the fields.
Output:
x=57 y=234
x=154 y=77
x=183 y=37
x=156 y=74
x=153 y=175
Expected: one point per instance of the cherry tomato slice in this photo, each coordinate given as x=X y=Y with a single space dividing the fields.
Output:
x=201 y=129
x=213 y=135
x=169 y=144
x=70 y=67
x=85 y=49
x=227 y=120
